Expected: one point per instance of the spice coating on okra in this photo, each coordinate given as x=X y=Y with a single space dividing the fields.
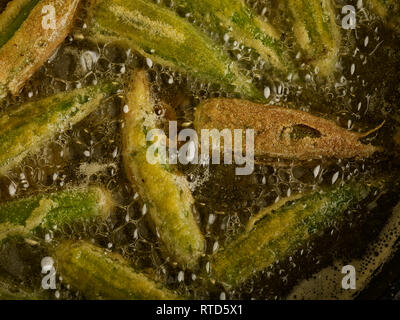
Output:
x=33 y=43
x=164 y=191
x=236 y=19
x=13 y=16
x=98 y=274
x=316 y=32
x=20 y=217
x=165 y=38
x=281 y=232
x=283 y=132
x=27 y=127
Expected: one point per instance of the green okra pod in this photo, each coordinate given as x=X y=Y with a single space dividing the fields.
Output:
x=102 y=275
x=27 y=127
x=278 y=232
x=165 y=192
x=10 y=291
x=21 y=217
x=165 y=38
x=13 y=16
x=25 y=44
x=316 y=32
x=235 y=19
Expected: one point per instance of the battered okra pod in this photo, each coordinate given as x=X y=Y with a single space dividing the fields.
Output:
x=165 y=192
x=9 y=291
x=278 y=233
x=98 y=274
x=27 y=127
x=316 y=32
x=388 y=10
x=283 y=132
x=22 y=216
x=13 y=16
x=165 y=38
x=26 y=44
x=236 y=19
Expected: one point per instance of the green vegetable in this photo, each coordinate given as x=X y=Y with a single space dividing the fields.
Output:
x=278 y=232
x=165 y=38
x=235 y=19
x=102 y=275
x=10 y=291
x=22 y=216
x=26 y=128
x=13 y=16
x=316 y=32
x=283 y=132
x=165 y=192
x=29 y=36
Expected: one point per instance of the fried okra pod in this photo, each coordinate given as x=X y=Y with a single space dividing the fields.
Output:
x=25 y=128
x=278 y=233
x=98 y=274
x=165 y=192
x=235 y=19
x=163 y=37
x=22 y=216
x=26 y=44
x=283 y=132
x=316 y=32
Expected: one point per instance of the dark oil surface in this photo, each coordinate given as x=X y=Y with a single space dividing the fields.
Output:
x=361 y=95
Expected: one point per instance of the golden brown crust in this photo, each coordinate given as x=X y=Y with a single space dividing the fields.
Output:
x=32 y=44
x=274 y=130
